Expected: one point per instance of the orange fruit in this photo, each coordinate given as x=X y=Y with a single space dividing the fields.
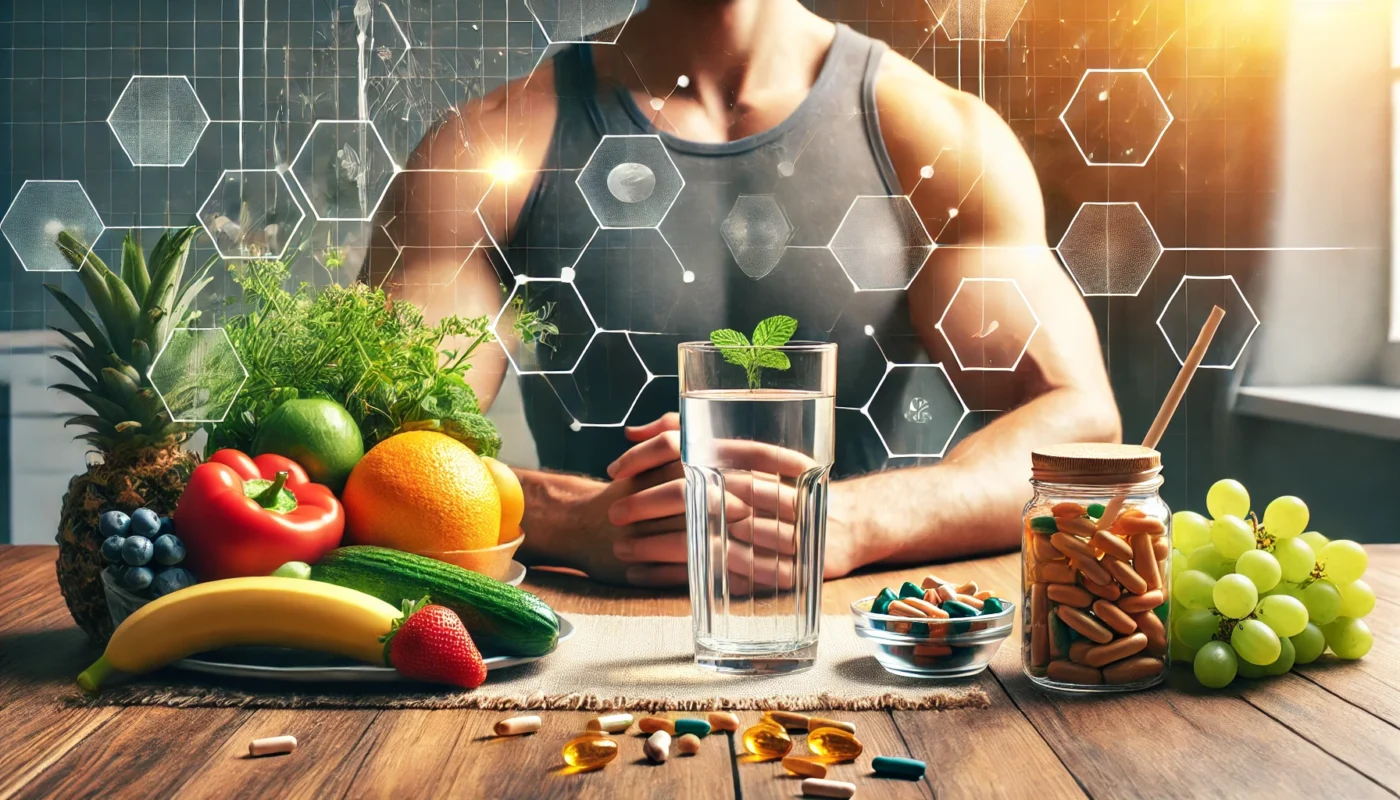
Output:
x=512 y=498
x=423 y=492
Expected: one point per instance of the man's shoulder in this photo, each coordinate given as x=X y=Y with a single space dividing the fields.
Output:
x=506 y=119
x=911 y=102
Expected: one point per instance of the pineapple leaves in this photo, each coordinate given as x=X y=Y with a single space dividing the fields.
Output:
x=122 y=325
x=134 y=273
x=109 y=410
x=85 y=321
x=98 y=424
x=81 y=372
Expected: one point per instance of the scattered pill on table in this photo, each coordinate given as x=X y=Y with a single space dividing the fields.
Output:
x=723 y=721
x=822 y=722
x=688 y=745
x=805 y=766
x=834 y=744
x=894 y=767
x=610 y=723
x=790 y=720
x=658 y=746
x=650 y=725
x=589 y=751
x=767 y=740
x=819 y=787
x=699 y=727
x=516 y=726
x=272 y=746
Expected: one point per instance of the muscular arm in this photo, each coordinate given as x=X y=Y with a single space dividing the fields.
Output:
x=971 y=502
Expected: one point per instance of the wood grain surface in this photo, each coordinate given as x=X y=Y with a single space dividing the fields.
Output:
x=1330 y=728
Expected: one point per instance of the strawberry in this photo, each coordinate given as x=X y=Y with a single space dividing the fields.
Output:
x=429 y=643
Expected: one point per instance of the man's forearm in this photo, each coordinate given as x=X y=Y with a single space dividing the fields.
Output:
x=551 y=503
x=971 y=502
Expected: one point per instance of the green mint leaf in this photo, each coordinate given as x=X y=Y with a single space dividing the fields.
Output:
x=774 y=331
x=771 y=359
x=734 y=346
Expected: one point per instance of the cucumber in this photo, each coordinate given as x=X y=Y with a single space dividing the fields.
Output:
x=501 y=619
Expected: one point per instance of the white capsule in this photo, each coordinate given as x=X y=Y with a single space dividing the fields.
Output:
x=272 y=746
x=610 y=723
x=518 y=725
x=820 y=787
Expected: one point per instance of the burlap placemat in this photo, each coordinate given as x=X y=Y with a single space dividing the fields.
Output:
x=639 y=663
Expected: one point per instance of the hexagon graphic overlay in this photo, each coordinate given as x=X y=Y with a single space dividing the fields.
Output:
x=1186 y=311
x=39 y=212
x=988 y=324
x=757 y=232
x=630 y=181
x=581 y=21
x=977 y=20
x=198 y=374
x=1116 y=117
x=604 y=389
x=344 y=169
x=1110 y=249
x=158 y=120
x=915 y=410
x=556 y=340
x=251 y=213
x=881 y=243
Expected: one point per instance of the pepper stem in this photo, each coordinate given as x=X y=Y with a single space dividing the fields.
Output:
x=268 y=497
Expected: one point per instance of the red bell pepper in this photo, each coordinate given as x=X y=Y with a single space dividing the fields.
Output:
x=242 y=516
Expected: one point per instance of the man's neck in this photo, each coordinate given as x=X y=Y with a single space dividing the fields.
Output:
x=724 y=46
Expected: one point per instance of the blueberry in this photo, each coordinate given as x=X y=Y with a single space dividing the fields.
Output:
x=167 y=525
x=137 y=550
x=169 y=550
x=144 y=522
x=112 y=549
x=113 y=523
x=137 y=578
x=172 y=580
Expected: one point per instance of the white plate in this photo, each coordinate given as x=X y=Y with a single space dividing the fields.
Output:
x=516 y=574
x=304 y=666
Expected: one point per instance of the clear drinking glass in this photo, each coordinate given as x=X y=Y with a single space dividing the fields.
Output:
x=757 y=446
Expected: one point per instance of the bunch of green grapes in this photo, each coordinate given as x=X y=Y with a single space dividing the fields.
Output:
x=1254 y=597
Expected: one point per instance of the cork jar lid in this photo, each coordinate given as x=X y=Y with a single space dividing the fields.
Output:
x=1095 y=463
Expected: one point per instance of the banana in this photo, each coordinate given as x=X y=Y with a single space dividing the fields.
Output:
x=286 y=612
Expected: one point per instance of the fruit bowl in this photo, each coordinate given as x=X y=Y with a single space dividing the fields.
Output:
x=932 y=648
x=493 y=562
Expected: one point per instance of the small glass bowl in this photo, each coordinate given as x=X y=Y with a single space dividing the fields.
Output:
x=120 y=602
x=935 y=648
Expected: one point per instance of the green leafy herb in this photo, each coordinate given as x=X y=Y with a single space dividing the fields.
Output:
x=379 y=358
x=760 y=354
x=532 y=326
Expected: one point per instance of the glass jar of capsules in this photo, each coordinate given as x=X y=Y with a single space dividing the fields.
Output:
x=1095 y=569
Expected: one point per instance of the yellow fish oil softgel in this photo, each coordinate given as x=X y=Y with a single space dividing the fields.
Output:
x=834 y=744
x=590 y=751
x=767 y=741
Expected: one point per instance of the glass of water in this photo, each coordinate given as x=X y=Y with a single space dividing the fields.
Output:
x=757 y=442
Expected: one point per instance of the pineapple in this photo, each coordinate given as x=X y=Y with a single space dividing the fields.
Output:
x=140 y=459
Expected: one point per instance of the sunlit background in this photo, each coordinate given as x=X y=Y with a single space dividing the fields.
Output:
x=1232 y=152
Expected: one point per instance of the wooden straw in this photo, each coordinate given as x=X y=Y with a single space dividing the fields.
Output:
x=1173 y=399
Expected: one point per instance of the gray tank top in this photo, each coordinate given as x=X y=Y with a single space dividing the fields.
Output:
x=746 y=238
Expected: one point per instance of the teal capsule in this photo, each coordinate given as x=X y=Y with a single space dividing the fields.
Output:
x=992 y=605
x=891 y=767
x=883 y=600
x=958 y=609
x=1095 y=510
x=911 y=589
x=1044 y=524
x=699 y=727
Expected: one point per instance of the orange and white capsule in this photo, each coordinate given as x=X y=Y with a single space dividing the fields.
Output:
x=515 y=726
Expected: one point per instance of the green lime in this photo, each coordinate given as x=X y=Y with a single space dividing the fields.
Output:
x=320 y=435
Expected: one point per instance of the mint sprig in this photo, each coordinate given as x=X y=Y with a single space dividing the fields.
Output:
x=760 y=354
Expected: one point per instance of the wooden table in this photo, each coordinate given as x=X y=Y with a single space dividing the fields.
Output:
x=1328 y=729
